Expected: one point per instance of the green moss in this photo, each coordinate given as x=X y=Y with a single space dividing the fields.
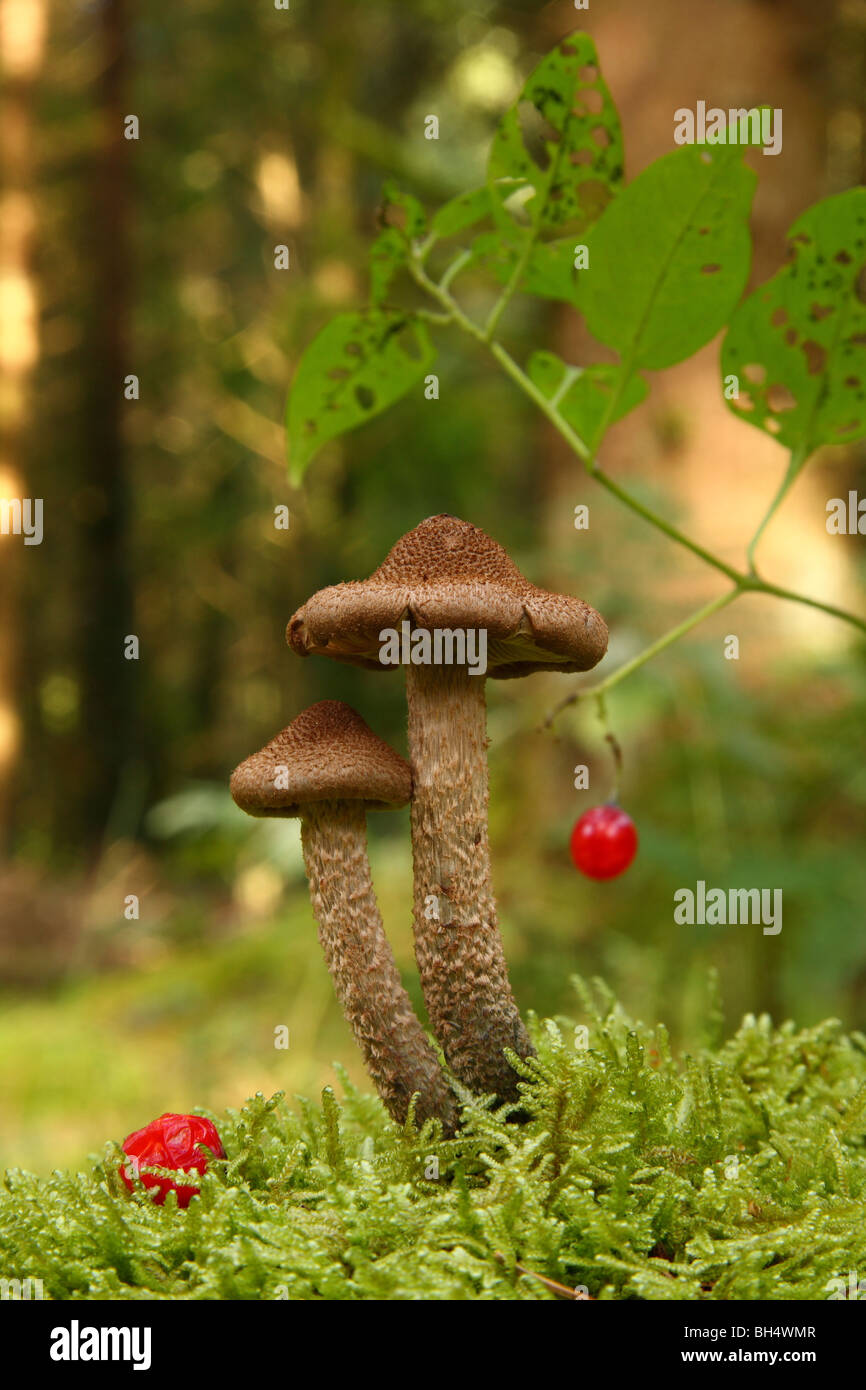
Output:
x=738 y=1172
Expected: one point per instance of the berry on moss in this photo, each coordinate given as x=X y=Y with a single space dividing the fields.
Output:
x=172 y=1141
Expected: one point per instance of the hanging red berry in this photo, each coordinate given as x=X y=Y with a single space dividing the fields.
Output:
x=603 y=842
x=170 y=1142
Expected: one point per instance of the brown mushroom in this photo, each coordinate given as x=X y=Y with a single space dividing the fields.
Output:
x=329 y=768
x=450 y=576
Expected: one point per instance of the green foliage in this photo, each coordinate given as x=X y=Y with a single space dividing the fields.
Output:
x=573 y=157
x=798 y=344
x=463 y=211
x=738 y=1172
x=667 y=259
x=357 y=366
x=670 y=257
x=589 y=398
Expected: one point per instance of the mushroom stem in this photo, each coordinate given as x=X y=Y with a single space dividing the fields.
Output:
x=395 y=1048
x=457 y=943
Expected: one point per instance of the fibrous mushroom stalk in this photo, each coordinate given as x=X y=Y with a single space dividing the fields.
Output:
x=457 y=943
x=395 y=1049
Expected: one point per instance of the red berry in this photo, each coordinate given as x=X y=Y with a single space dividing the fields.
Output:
x=603 y=842
x=170 y=1142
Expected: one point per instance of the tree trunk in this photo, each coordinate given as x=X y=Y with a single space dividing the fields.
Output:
x=107 y=679
x=22 y=43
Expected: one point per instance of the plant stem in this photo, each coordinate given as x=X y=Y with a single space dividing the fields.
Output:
x=601 y=689
x=455 y=268
x=634 y=504
x=795 y=465
x=508 y=293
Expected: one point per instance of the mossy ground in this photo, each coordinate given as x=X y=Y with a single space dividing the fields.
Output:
x=738 y=1172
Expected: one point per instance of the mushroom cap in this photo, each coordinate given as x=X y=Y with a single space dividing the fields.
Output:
x=447 y=573
x=327 y=754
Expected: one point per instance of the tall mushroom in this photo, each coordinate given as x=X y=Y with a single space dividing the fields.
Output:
x=449 y=577
x=329 y=768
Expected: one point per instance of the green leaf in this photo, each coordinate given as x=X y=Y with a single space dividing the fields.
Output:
x=388 y=254
x=402 y=211
x=669 y=257
x=798 y=344
x=403 y=220
x=559 y=140
x=463 y=211
x=549 y=272
x=583 y=395
x=355 y=368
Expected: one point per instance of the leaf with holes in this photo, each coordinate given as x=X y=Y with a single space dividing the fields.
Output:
x=798 y=344
x=357 y=366
x=588 y=398
x=558 y=150
x=669 y=257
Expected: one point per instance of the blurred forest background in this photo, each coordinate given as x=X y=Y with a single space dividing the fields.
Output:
x=155 y=257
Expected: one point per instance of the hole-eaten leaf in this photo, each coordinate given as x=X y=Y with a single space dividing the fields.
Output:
x=816 y=356
x=536 y=132
x=589 y=73
x=706 y=157
x=395 y=216
x=582 y=157
x=755 y=371
x=601 y=136
x=808 y=308
x=780 y=398
x=593 y=101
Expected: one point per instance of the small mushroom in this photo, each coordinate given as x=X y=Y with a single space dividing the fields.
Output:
x=448 y=575
x=330 y=769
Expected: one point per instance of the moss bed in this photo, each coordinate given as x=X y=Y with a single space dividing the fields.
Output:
x=736 y=1172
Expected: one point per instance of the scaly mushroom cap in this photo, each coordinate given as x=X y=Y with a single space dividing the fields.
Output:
x=327 y=754
x=449 y=574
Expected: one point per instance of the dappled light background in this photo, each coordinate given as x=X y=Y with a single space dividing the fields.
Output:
x=155 y=258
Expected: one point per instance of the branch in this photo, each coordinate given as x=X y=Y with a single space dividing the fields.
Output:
x=601 y=689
